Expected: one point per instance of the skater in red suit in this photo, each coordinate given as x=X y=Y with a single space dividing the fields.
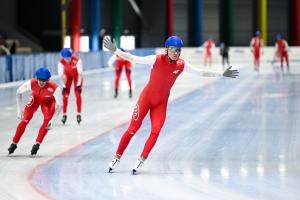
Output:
x=121 y=63
x=154 y=97
x=256 y=45
x=208 y=45
x=282 y=49
x=44 y=93
x=70 y=70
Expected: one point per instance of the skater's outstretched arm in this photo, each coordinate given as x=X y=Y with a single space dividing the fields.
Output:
x=148 y=60
x=23 y=88
x=227 y=73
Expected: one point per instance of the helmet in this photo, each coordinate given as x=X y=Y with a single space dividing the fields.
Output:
x=66 y=52
x=43 y=73
x=174 y=41
x=257 y=33
x=278 y=36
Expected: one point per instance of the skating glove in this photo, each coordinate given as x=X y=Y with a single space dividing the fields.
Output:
x=63 y=90
x=49 y=126
x=109 y=44
x=79 y=88
x=231 y=73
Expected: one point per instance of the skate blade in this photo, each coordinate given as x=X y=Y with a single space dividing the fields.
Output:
x=109 y=170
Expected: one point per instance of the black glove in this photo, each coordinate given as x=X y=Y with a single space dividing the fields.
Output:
x=79 y=88
x=231 y=73
x=109 y=44
x=49 y=126
x=63 y=91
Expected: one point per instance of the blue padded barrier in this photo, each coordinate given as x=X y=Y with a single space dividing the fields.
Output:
x=3 y=69
x=22 y=66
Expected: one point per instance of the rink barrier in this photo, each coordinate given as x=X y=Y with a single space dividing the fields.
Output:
x=238 y=55
x=22 y=66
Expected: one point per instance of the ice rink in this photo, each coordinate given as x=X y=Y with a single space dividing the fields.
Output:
x=224 y=139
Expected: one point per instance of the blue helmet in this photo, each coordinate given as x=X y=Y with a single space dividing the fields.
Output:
x=66 y=52
x=278 y=36
x=174 y=41
x=257 y=33
x=43 y=73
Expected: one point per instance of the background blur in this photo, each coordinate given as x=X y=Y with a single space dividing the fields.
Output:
x=39 y=25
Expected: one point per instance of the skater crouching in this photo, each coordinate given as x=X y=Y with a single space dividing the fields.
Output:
x=44 y=93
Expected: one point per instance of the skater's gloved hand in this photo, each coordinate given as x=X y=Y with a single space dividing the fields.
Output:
x=231 y=73
x=63 y=90
x=110 y=45
x=49 y=126
x=79 y=88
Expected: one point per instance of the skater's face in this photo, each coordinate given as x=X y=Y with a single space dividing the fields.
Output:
x=68 y=60
x=42 y=83
x=173 y=52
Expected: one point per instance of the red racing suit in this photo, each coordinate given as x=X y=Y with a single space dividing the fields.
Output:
x=256 y=47
x=208 y=45
x=154 y=97
x=121 y=63
x=71 y=72
x=48 y=97
x=282 y=51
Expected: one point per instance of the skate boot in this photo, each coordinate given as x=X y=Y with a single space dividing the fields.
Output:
x=114 y=163
x=116 y=93
x=12 y=148
x=139 y=163
x=130 y=93
x=78 y=119
x=35 y=148
x=64 y=119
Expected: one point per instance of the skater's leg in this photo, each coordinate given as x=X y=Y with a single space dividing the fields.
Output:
x=287 y=61
x=48 y=112
x=281 y=61
x=78 y=95
x=128 y=76
x=118 y=72
x=66 y=94
x=223 y=62
x=157 y=116
x=140 y=111
x=210 y=59
x=30 y=108
x=227 y=59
